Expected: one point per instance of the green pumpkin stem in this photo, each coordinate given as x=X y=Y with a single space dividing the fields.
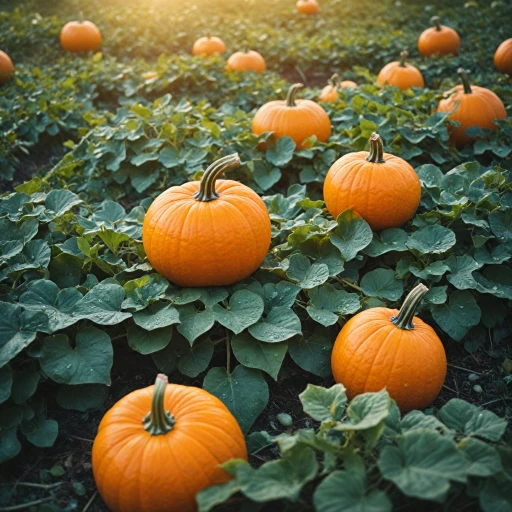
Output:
x=159 y=421
x=81 y=17
x=376 y=154
x=292 y=91
x=335 y=81
x=465 y=80
x=207 y=190
x=403 y=320
x=403 y=55
x=436 y=21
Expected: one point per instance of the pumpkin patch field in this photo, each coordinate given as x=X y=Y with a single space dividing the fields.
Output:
x=255 y=256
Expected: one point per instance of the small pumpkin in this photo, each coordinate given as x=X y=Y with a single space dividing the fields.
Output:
x=80 y=36
x=438 y=40
x=307 y=6
x=298 y=119
x=400 y=74
x=157 y=447
x=381 y=188
x=386 y=348
x=248 y=60
x=208 y=233
x=149 y=75
x=330 y=94
x=470 y=105
x=209 y=45
x=6 y=68
x=503 y=57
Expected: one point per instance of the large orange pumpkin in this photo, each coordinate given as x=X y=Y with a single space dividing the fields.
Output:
x=503 y=57
x=246 y=61
x=80 y=36
x=159 y=446
x=298 y=119
x=208 y=233
x=382 y=188
x=307 y=6
x=386 y=348
x=400 y=74
x=438 y=40
x=470 y=105
x=329 y=93
x=209 y=46
x=6 y=67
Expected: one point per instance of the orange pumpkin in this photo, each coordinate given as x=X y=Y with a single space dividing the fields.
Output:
x=246 y=61
x=209 y=46
x=208 y=233
x=438 y=40
x=6 y=67
x=307 y=6
x=503 y=57
x=386 y=348
x=400 y=74
x=298 y=119
x=329 y=93
x=159 y=446
x=80 y=36
x=381 y=188
x=470 y=105
x=149 y=75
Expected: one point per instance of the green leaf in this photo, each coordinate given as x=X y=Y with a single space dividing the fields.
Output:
x=142 y=292
x=194 y=323
x=167 y=360
x=462 y=268
x=60 y=201
x=245 y=309
x=5 y=383
x=422 y=464
x=472 y=421
x=244 y=392
x=496 y=280
x=432 y=240
x=328 y=302
x=382 y=283
x=324 y=404
x=209 y=498
x=281 y=153
x=392 y=239
x=308 y=276
x=348 y=491
x=18 y=329
x=82 y=398
x=496 y=496
x=280 y=294
x=458 y=316
x=501 y=225
x=156 y=316
x=147 y=342
x=313 y=354
x=366 y=411
x=197 y=359
x=43 y=434
x=89 y=362
x=280 y=324
x=260 y=355
x=25 y=382
x=415 y=420
x=484 y=459
x=352 y=234
x=9 y=444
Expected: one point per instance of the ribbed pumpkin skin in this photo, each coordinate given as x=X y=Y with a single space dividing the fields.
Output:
x=246 y=61
x=209 y=46
x=371 y=353
x=215 y=243
x=348 y=84
x=503 y=57
x=137 y=472
x=329 y=94
x=307 y=6
x=386 y=195
x=6 y=67
x=80 y=37
x=399 y=76
x=307 y=118
x=480 y=108
x=438 y=42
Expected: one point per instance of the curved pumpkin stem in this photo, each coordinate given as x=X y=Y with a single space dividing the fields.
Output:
x=159 y=421
x=465 y=80
x=403 y=55
x=292 y=91
x=436 y=21
x=335 y=81
x=206 y=190
x=403 y=320
x=376 y=154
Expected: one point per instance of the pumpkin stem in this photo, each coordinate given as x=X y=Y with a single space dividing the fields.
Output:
x=159 y=421
x=403 y=320
x=292 y=91
x=207 y=190
x=81 y=17
x=335 y=81
x=436 y=21
x=465 y=80
x=403 y=55
x=376 y=154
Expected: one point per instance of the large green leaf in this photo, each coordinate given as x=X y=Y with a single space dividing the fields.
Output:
x=352 y=234
x=280 y=324
x=245 y=308
x=324 y=404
